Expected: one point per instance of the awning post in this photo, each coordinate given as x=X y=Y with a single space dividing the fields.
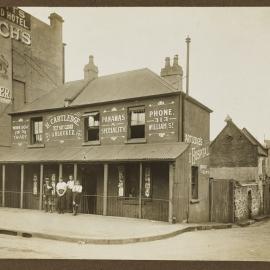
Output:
x=3 y=184
x=60 y=170
x=105 y=189
x=41 y=186
x=22 y=184
x=140 y=191
x=75 y=171
x=171 y=181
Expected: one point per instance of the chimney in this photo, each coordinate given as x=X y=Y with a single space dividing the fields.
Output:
x=56 y=21
x=90 y=70
x=173 y=74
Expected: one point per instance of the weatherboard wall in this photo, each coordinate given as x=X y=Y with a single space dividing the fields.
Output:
x=161 y=117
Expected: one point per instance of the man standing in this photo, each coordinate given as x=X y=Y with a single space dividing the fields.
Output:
x=61 y=189
x=47 y=194
x=76 y=191
x=70 y=185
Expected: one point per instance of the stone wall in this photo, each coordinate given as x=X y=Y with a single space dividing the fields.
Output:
x=241 y=201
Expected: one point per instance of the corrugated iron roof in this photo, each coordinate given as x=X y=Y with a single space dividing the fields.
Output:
x=127 y=152
x=120 y=86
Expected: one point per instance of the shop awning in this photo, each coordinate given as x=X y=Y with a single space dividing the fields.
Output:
x=109 y=153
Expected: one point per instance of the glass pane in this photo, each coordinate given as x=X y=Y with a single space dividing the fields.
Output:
x=137 y=118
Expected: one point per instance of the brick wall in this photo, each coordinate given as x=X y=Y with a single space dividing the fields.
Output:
x=232 y=149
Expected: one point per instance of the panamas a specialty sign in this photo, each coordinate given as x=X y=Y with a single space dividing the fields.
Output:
x=5 y=71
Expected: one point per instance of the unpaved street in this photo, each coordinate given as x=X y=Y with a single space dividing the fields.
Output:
x=249 y=243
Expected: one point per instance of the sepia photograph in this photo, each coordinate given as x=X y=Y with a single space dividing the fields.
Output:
x=135 y=133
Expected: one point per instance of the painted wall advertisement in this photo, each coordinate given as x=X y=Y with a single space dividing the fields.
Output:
x=161 y=119
x=62 y=127
x=199 y=151
x=15 y=24
x=5 y=71
x=113 y=124
x=19 y=131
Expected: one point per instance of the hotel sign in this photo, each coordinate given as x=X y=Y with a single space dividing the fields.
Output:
x=16 y=16
x=15 y=24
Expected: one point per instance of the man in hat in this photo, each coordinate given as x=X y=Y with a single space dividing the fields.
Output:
x=47 y=194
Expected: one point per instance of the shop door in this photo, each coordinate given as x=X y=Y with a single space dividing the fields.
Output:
x=89 y=198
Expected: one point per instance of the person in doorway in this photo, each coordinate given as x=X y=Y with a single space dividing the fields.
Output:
x=76 y=192
x=70 y=185
x=47 y=195
x=61 y=189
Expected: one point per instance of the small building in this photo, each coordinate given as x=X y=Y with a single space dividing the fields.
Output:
x=238 y=169
x=135 y=140
x=31 y=61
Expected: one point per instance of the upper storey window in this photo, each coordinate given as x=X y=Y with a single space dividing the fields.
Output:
x=136 y=122
x=37 y=130
x=92 y=124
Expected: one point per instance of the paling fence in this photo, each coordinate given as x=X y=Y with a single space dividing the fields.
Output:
x=151 y=208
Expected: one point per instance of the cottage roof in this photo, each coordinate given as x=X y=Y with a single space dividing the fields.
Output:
x=261 y=150
x=120 y=86
x=161 y=151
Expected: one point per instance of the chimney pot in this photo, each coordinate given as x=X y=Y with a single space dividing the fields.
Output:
x=173 y=74
x=90 y=70
x=167 y=62
x=175 y=60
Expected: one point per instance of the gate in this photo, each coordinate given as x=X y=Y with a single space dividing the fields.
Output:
x=221 y=200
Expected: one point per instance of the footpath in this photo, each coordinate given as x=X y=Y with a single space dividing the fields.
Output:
x=91 y=229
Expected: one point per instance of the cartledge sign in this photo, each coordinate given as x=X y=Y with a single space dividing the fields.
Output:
x=15 y=24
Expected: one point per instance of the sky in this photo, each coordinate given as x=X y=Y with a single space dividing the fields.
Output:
x=229 y=52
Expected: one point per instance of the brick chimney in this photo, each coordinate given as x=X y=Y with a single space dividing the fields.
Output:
x=56 y=22
x=90 y=70
x=173 y=74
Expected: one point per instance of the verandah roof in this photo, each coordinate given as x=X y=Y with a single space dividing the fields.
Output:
x=109 y=153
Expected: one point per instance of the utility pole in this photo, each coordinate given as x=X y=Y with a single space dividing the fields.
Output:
x=187 y=68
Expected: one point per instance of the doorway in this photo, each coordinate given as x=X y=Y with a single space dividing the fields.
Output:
x=88 y=176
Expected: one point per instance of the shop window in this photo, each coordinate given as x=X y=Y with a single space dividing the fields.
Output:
x=92 y=126
x=194 y=182
x=121 y=180
x=147 y=182
x=136 y=123
x=37 y=130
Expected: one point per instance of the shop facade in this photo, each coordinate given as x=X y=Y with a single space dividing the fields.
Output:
x=138 y=145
